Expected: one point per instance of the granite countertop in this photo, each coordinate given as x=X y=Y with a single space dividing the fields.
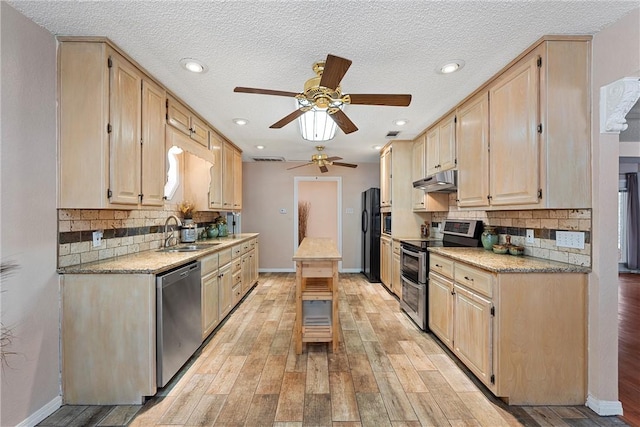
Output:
x=154 y=261
x=317 y=249
x=505 y=263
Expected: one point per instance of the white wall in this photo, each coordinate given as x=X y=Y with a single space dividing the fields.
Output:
x=31 y=384
x=616 y=54
x=268 y=187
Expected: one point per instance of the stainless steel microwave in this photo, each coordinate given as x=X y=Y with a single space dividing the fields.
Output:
x=386 y=223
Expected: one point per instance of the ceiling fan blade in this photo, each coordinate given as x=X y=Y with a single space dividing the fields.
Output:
x=334 y=70
x=299 y=166
x=377 y=99
x=331 y=159
x=343 y=122
x=286 y=120
x=264 y=91
x=349 y=165
x=324 y=169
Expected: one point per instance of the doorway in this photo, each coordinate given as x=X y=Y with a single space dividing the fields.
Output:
x=324 y=198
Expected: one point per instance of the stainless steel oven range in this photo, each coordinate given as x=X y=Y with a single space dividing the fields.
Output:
x=414 y=265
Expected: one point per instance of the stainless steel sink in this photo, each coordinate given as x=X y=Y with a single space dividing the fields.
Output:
x=192 y=247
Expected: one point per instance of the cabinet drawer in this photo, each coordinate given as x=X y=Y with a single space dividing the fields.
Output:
x=237 y=250
x=317 y=269
x=396 y=247
x=208 y=264
x=473 y=278
x=441 y=265
x=224 y=257
x=237 y=294
x=237 y=265
x=237 y=278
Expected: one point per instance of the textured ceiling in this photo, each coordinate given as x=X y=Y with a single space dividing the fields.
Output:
x=395 y=47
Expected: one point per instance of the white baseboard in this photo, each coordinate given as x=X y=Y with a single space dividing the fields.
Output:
x=293 y=270
x=42 y=413
x=604 y=408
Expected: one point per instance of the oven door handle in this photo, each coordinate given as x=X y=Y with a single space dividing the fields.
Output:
x=409 y=252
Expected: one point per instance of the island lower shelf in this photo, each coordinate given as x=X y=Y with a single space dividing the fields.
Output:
x=316 y=293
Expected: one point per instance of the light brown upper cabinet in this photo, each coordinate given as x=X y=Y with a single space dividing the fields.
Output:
x=385 y=177
x=421 y=201
x=237 y=180
x=232 y=177
x=111 y=134
x=215 y=186
x=513 y=125
x=472 y=136
x=538 y=132
x=440 y=146
x=183 y=119
x=417 y=171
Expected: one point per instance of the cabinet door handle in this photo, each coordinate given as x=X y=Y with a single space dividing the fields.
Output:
x=438 y=265
x=453 y=292
x=468 y=278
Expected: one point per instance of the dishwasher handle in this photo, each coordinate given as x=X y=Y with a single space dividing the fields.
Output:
x=169 y=278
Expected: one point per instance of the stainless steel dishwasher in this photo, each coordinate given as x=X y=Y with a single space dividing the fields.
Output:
x=179 y=319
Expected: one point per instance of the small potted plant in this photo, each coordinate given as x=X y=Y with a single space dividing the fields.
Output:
x=187 y=209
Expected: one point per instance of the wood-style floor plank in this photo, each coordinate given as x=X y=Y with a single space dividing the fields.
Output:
x=344 y=406
x=385 y=372
x=629 y=346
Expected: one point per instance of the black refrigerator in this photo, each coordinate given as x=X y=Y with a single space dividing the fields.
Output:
x=371 y=234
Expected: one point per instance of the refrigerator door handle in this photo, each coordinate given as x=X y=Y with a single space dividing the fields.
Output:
x=365 y=221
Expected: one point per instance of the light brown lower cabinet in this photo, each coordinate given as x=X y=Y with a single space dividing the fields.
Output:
x=109 y=327
x=522 y=334
x=108 y=338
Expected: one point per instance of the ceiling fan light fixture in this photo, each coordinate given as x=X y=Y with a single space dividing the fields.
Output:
x=193 y=65
x=451 y=67
x=317 y=125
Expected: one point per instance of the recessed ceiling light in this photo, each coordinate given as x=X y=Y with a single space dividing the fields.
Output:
x=193 y=65
x=450 y=66
x=400 y=122
x=377 y=147
x=260 y=147
x=240 y=122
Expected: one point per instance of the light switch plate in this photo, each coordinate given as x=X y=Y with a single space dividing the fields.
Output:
x=529 y=238
x=283 y=211
x=349 y=210
x=97 y=238
x=570 y=239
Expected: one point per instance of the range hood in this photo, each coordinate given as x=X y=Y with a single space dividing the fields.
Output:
x=442 y=182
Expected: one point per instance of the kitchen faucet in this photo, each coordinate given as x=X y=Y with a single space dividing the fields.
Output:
x=168 y=239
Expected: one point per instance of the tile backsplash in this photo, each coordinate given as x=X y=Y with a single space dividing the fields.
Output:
x=124 y=232
x=544 y=222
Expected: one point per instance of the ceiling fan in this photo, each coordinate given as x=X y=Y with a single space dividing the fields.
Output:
x=324 y=92
x=322 y=160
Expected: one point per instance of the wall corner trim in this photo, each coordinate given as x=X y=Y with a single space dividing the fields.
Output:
x=616 y=100
x=604 y=408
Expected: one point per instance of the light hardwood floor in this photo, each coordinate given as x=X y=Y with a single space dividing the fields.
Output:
x=629 y=346
x=386 y=372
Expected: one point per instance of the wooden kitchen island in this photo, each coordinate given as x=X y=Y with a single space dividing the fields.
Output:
x=316 y=292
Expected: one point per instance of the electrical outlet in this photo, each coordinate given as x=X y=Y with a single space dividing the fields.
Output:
x=97 y=238
x=283 y=211
x=570 y=239
x=529 y=238
x=349 y=210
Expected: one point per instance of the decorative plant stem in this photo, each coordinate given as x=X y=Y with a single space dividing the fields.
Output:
x=6 y=333
x=303 y=216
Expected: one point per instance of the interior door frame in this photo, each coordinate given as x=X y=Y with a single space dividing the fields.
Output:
x=296 y=181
